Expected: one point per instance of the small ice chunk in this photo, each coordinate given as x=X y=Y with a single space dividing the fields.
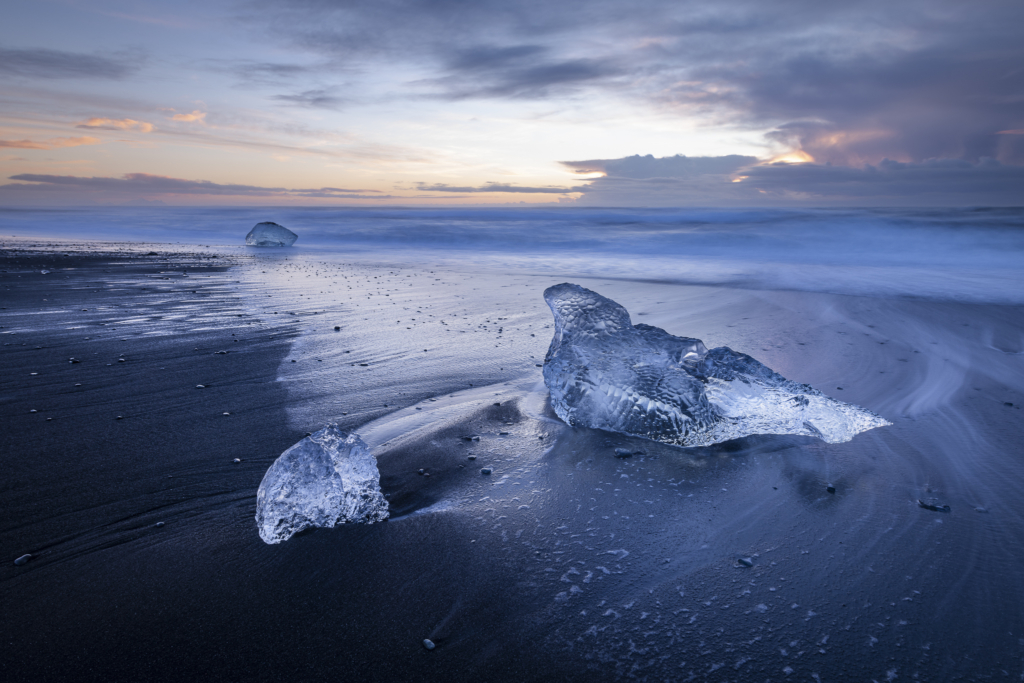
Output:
x=328 y=478
x=269 y=234
x=604 y=372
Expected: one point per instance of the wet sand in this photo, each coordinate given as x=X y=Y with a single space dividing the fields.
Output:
x=566 y=563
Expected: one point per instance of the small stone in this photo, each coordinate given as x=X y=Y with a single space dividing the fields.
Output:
x=471 y=457
x=220 y=353
x=420 y=473
x=830 y=489
x=623 y=453
x=1007 y=404
x=74 y=360
x=745 y=562
x=502 y=433
x=33 y=411
x=337 y=328
x=428 y=643
x=225 y=413
x=158 y=525
x=237 y=460
x=119 y=417
x=200 y=386
x=933 y=508
x=23 y=560
x=485 y=470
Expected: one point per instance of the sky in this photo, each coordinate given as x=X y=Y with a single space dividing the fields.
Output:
x=475 y=102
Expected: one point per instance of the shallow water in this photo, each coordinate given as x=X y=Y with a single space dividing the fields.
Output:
x=628 y=568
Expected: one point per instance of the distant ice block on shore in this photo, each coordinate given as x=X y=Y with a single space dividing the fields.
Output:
x=604 y=372
x=326 y=479
x=268 y=234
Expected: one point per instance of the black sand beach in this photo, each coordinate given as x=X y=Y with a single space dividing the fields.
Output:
x=566 y=564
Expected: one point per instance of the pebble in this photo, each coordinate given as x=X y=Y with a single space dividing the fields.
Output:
x=22 y=560
x=158 y=525
x=933 y=508
x=200 y=386
x=33 y=411
x=485 y=470
x=471 y=457
x=237 y=460
x=830 y=489
x=745 y=562
x=337 y=328
x=623 y=453
x=119 y=417
x=428 y=643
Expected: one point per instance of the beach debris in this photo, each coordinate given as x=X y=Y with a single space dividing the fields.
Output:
x=428 y=643
x=23 y=559
x=328 y=478
x=932 y=507
x=486 y=470
x=269 y=234
x=745 y=562
x=604 y=372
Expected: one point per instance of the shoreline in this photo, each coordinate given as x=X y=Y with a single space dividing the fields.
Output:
x=567 y=563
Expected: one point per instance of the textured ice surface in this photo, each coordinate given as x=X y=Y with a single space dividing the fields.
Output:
x=270 y=235
x=328 y=478
x=604 y=372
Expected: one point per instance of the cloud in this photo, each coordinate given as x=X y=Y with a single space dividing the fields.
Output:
x=743 y=181
x=317 y=98
x=144 y=183
x=268 y=73
x=52 y=143
x=116 y=124
x=195 y=116
x=45 y=63
x=515 y=72
x=497 y=187
x=849 y=83
x=678 y=166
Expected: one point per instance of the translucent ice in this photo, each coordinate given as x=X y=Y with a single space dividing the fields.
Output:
x=270 y=235
x=328 y=478
x=604 y=372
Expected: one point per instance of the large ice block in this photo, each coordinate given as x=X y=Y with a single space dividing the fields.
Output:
x=328 y=478
x=269 y=234
x=604 y=372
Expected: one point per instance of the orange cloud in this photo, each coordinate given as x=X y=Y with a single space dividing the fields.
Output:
x=52 y=143
x=194 y=116
x=1019 y=131
x=117 y=124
